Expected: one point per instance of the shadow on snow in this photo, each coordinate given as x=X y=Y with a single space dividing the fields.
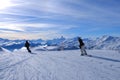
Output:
x=104 y=58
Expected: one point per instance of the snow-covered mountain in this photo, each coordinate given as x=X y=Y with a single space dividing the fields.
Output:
x=55 y=42
x=17 y=44
x=104 y=42
x=107 y=42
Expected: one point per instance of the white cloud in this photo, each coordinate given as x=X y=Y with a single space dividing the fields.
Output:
x=5 y=4
x=22 y=27
x=32 y=16
x=60 y=7
x=26 y=35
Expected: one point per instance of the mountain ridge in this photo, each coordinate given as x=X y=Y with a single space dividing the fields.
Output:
x=103 y=42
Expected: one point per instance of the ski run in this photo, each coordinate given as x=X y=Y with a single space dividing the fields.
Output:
x=60 y=65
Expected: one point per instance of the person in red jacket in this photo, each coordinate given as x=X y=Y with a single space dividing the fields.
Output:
x=27 y=45
x=82 y=46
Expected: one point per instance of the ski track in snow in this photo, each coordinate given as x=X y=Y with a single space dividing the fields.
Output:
x=60 y=65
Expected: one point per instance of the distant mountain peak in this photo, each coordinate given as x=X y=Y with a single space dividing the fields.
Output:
x=104 y=42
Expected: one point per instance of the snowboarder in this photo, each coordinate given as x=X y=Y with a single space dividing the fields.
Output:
x=82 y=47
x=27 y=45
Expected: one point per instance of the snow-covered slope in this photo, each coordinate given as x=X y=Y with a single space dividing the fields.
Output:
x=60 y=65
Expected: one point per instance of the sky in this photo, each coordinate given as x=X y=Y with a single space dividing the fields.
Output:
x=47 y=19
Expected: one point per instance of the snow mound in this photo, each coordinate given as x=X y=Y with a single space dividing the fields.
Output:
x=46 y=48
x=4 y=50
x=1 y=49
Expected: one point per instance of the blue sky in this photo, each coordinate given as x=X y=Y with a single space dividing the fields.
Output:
x=47 y=19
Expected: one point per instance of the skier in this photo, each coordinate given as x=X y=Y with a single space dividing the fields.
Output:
x=27 y=45
x=82 y=47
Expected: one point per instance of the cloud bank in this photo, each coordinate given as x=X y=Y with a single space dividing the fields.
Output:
x=32 y=19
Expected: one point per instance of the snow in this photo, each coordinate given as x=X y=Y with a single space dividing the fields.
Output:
x=60 y=65
x=46 y=48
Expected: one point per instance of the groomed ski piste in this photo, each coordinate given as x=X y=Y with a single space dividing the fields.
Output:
x=60 y=65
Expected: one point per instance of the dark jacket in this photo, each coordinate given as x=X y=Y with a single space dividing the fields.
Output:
x=27 y=44
x=80 y=42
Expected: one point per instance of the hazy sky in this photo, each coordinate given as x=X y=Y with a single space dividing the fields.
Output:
x=46 y=19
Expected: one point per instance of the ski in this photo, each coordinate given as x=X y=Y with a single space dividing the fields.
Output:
x=87 y=55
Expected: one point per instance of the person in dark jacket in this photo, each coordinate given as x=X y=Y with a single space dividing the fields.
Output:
x=82 y=46
x=27 y=45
